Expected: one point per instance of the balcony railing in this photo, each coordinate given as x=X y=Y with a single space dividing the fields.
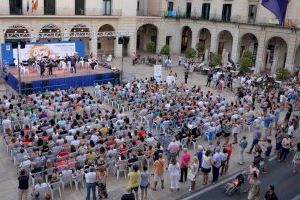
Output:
x=67 y=12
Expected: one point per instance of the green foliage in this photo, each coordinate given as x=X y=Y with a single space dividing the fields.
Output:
x=247 y=54
x=282 y=74
x=245 y=65
x=215 y=59
x=200 y=47
x=246 y=62
x=150 y=46
x=165 y=50
x=190 y=53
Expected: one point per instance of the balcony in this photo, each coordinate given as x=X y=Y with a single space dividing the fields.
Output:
x=66 y=12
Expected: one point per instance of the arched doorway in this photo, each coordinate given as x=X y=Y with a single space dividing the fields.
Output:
x=225 y=42
x=205 y=37
x=249 y=42
x=13 y=30
x=297 y=59
x=105 y=45
x=50 y=33
x=276 y=51
x=146 y=34
x=80 y=32
x=186 y=38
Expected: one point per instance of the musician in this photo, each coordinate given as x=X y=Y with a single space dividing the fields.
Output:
x=73 y=63
x=42 y=65
x=50 y=67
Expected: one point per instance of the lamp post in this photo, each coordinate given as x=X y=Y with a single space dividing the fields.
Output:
x=19 y=70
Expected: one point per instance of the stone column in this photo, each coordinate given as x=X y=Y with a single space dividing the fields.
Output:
x=93 y=45
x=1 y=43
x=161 y=41
x=214 y=41
x=235 y=47
x=259 y=64
x=291 y=51
x=195 y=38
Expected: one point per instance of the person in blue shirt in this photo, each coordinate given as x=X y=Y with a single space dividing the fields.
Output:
x=199 y=154
x=267 y=120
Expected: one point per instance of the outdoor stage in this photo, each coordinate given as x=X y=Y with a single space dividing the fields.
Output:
x=61 y=79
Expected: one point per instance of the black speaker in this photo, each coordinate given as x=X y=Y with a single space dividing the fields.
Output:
x=22 y=45
x=120 y=40
x=14 y=45
x=126 y=40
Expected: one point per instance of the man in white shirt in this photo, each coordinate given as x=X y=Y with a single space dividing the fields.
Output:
x=75 y=142
x=70 y=138
x=91 y=178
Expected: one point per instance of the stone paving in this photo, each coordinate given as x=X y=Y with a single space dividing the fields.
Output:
x=8 y=176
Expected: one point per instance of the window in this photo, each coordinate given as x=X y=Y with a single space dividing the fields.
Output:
x=168 y=39
x=170 y=6
x=205 y=10
x=79 y=7
x=252 y=13
x=226 y=13
x=188 y=9
x=107 y=7
x=49 y=7
x=15 y=7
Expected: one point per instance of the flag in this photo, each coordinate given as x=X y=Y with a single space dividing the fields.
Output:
x=27 y=8
x=35 y=4
x=277 y=7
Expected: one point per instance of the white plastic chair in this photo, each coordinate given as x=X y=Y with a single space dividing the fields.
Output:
x=121 y=168
x=109 y=58
x=78 y=178
x=66 y=178
x=55 y=187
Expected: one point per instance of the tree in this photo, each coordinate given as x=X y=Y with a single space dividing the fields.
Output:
x=150 y=46
x=200 y=47
x=215 y=59
x=282 y=74
x=165 y=50
x=190 y=53
x=246 y=62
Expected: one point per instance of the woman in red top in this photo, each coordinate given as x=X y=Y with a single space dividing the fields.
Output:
x=26 y=139
x=142 y=133
x=123 y=149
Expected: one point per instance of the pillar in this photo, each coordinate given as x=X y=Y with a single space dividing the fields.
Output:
x=161 y=40
x=195 y=38
x=291 y=51
x=259 y=64
x=1 y=43
x=93 y=46
x=235 y=46
x=214 y=41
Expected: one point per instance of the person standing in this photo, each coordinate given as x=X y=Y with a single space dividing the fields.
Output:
x=173 y=150
x=270 y=194
x=159 y=167
x=254 y=192
x=268 y=150
x=101 y=183
x=133 y=183
x=174 y=171
x=209 y=77
x=91 y=179
x=242 y=146
x=216 y=164
x=256 y=138
x=184 y=163
x=23 y=185
x=186 y=76
x=194 y=167
x=206 y=166
x=285 y=148
x=144 y=182
x=73 y=64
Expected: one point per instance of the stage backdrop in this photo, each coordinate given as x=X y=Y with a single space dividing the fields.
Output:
x=41 y=49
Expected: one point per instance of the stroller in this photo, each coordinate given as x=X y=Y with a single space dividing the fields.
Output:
x=235 y=184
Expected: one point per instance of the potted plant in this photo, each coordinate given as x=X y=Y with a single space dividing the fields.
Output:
x=215 y=59
x=165 y=50
x=282 y=74
x=190 y=53
x=200 y=47
x=150 y=46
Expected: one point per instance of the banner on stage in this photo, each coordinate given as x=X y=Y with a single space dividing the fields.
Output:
x=157 y=72
x=53 y=50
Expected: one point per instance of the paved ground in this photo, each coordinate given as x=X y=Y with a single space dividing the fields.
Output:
x=8 y=183
x=281 y=176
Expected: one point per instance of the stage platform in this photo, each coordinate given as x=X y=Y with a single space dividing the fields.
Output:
x=61 y=79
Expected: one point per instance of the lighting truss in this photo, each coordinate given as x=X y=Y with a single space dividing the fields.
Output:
x=61 y=35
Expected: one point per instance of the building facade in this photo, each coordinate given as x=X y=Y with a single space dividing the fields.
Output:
x=222 y=25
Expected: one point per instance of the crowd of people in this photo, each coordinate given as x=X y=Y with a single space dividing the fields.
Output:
x=146 y=128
